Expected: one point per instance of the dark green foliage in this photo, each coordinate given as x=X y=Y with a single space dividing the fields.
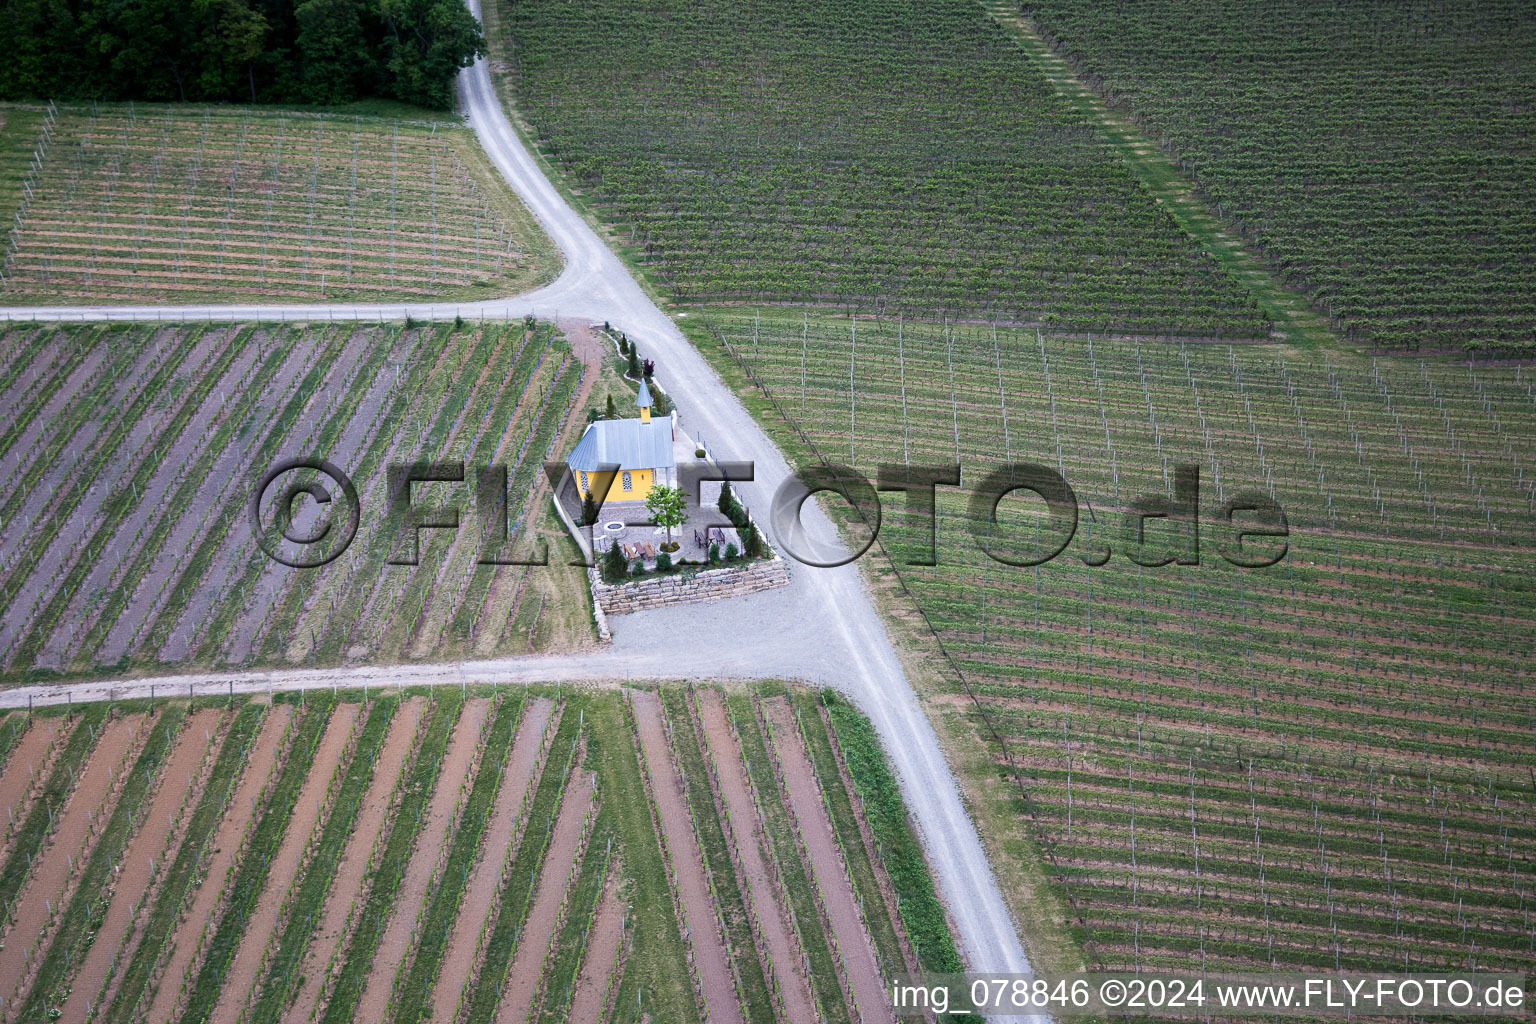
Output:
x=730 y=552
x=634 y=363
x=279 y=51
x=615 y=565
x=902 y=858
x=663 y=562
x=752 y=541
x=589 y=510
x=714 y=553
x=611 y=411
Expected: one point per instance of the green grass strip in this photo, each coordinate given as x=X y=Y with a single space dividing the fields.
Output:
x=752 y=985
x=186 y=867
x=797 y=890
x=315 y=882
x=390 y=867
x=656 y=984
x=88 y=907
x=251 y=871
x=846 y=824
x=39 y=822
x=921 y=912
x=518 y=891
x=443 y=903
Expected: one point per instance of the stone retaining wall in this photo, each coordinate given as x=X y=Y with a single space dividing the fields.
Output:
x=686 y=587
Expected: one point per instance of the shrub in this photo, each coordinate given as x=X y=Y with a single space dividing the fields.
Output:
x=615 y=565
x=589 y=510
x=752 y=541
x=699 y=453
x=458 y=323
x=611 y=412
x=714 y=553
x=650 y=369
x=634 y=363
x=638 y=569
x=726 y=497
x=663 y=562
x=730 y=552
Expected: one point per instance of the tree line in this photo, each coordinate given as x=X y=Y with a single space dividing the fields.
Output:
x=322 y=52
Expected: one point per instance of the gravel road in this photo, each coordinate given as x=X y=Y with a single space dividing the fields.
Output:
x=823 y=628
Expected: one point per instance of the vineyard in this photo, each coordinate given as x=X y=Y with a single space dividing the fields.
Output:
x=144 y=204
x=1383 y=156
x=129 y=454
x=518 y=854
x=889 y=155
x=1327 y=762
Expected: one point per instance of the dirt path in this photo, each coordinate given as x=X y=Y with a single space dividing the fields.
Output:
x=241 y=977
x=352 y=869
x=544 y=913
x=73 y=835
x=602 y=956
x=741 y=816
x=28 y=758
x=496 y=846
x=261 y=765
x=400 y=933
x=827 y=869
x=703 y=934
x=145 y=854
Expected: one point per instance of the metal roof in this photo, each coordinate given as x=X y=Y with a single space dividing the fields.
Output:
x=643 y=399
x=629 y=443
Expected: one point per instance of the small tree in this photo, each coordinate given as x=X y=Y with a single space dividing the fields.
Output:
x=634 y=363
x=752 y=541
x=612 y=411
x=589 y=510
x=663 y=562
x=730 y=552
x=650 y=369
x=714 y=552
x=615 y=565
x=724 y=504
x=668 y=507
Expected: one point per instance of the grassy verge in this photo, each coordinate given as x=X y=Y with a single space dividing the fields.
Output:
x=88 y=907
x=34 y=831
x=750 y=983
x=845 y=824
x=796 y=888
x=315 y=882
x=921 y=912
x=389 y=866
x=655 y=985
x=443 y=903
x=251 y=871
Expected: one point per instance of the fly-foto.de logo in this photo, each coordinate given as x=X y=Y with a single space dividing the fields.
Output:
x=1019 y=514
